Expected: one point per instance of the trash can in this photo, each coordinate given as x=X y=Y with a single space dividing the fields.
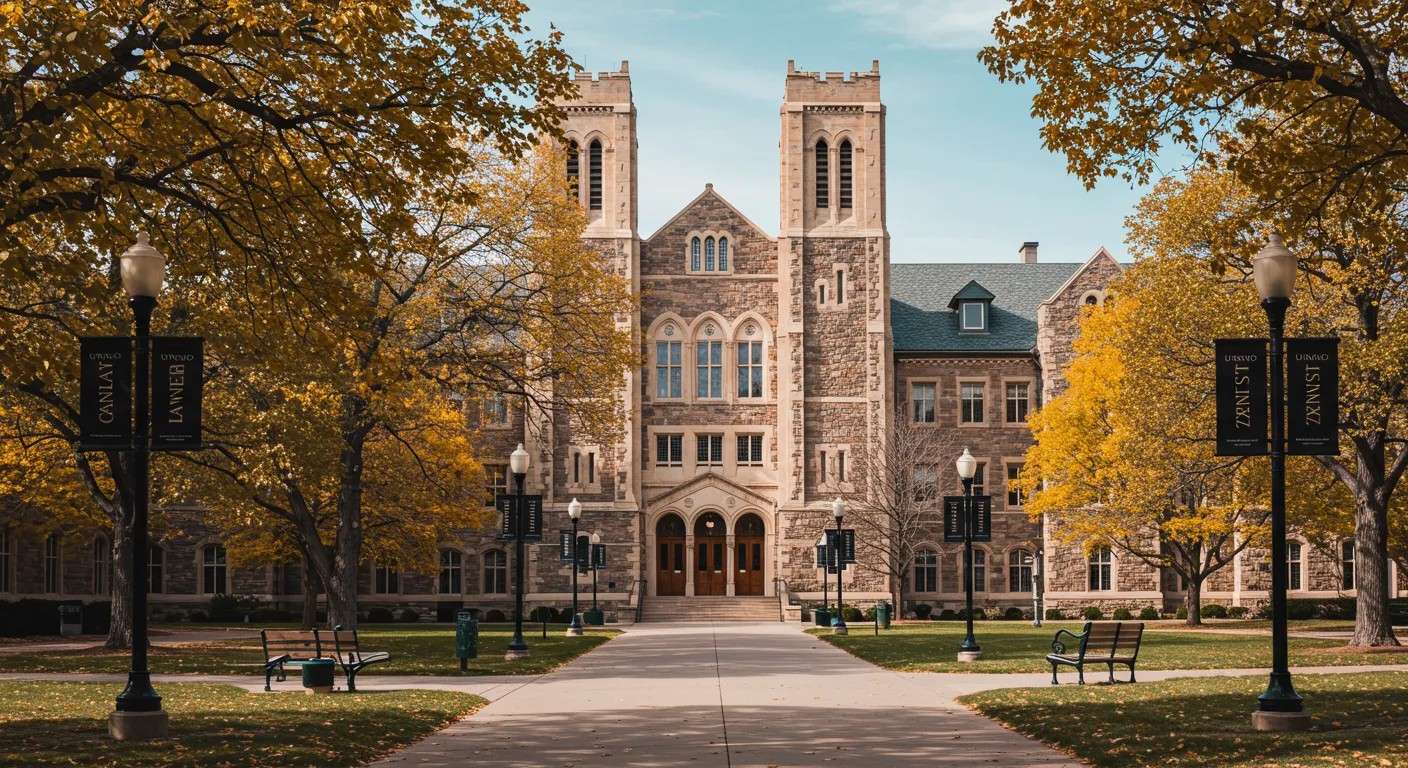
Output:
x=466 y=638
x=822 y=616
x=882 y=614
x=71 y=619
x=317 y=675
x=594 y=618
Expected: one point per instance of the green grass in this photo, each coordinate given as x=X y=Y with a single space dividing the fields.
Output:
x=1359 y=720
x=415 y=650
x=48 y=723
x=1020 y=647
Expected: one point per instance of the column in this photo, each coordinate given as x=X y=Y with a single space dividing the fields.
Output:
x=689 y=566
x=731 y=558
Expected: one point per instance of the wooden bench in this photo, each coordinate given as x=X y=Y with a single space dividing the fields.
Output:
x=287 y=648
x=347 y=652
x=1102 y=642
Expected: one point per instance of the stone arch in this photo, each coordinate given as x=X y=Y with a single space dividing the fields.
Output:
x=670 y=525
x=749 y=523
x=700 y=526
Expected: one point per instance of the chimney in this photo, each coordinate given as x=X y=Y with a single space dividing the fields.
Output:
x=1028 y=252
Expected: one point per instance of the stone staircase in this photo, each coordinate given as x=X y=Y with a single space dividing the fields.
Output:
x=710 y=608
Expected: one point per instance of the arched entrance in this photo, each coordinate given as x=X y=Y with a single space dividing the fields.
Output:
x=710 y=576
x=669 y=562
x=748 y=542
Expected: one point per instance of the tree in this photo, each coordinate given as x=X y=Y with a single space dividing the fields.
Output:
x=1305 y=106
x=263 y=145
x=903 y=476
x=1125 y=456
x=363 y=451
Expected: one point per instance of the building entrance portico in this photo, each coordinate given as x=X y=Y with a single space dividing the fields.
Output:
x=710 y=537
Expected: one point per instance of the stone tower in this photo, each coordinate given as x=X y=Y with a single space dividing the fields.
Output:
x=834 y=358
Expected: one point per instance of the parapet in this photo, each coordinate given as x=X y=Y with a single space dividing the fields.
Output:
x=603 y=87
x=859 y=87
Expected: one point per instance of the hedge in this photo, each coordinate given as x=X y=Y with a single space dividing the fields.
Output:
x=31 y=616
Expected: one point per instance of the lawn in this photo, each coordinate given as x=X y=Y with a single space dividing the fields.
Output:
x=1359 y=720
x=48 y=723
x=1020 y=647
x=415 y=650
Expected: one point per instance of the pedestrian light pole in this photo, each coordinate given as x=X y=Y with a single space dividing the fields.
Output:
x=1274 y=271
x=824 y=555
x=518 y=465
x=574 y=511
x=596 y=539
x=139 y=715
x=838 y=511
x=967 y=467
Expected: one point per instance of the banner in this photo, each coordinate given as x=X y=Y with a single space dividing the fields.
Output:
x=584 y=553
x=599 y=556
x=1313 y=397
x=532 y=520
x=955 y=524
x=982 y=518
x=1242 y=402
x=564 y=546
x=847 y=549
x=105 y=393
x=178 y=378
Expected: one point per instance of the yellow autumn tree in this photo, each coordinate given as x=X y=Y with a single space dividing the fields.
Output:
x=1302 y=104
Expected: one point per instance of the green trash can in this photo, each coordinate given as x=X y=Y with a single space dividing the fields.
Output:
x=317 y=675
x=822 y=616
x=882 y=614
x=594 y=618
x=466 y=638
x=71 y=619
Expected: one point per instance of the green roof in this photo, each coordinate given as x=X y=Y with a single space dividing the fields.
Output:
x=922 y=319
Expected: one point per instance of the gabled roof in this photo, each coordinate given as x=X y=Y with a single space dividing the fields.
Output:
x=710 y=480
x=971 y=292
x=922 y=315
x=709 y=193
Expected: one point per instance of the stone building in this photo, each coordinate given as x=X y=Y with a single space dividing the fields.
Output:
x=771 y=365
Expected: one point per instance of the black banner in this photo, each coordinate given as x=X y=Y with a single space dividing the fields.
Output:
x=1313 y=397
x=823 y=556
x=599 y=556
x=584 y=553
x=532 y=522
x=105 y=393
x=1242 y=401
x=178 y=368
x=955 y=524
x=564 y=546
x=848 y=544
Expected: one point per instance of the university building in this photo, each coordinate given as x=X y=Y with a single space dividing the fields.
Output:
x=772 y=364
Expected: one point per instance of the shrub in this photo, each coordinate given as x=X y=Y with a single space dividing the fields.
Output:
x=175 y=617
x=1300 y=610
x=870 y=613
x=232 y=607
x=1122 y=614
x=543 y=613
x=1013 y=614
x=1093 y=613
x=1148 y=613
x=409 y=616
x=199 y=616
x=947 y=614
x=852 y=613
x=1237 y=612
x=271 y=616
x=978 y=614
x=380 y=615
x=1055 y=614
x=923 y=610
x=1181 y=613
x=495 y=615
x=1214 y=611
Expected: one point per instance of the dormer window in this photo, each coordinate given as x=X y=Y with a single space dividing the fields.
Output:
x=974 y=316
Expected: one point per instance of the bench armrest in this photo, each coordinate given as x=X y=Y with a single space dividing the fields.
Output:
x=1058 y=647
x=268 y=661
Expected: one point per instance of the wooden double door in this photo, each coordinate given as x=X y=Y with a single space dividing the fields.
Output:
x=748 y=561
x=670 y=566
x=711 y=566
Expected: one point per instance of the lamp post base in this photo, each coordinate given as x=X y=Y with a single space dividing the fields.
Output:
x=138 y=726
x=514 y=654
x=969 y=655
x=575 y=630
x=1280 y=722
x=840 y=629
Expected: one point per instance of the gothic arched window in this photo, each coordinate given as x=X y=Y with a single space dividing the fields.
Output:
x=574 y=169
x=823 y=175
x=723 y=254
x=594 y=175
x=708 y=254
x=846 y=175
x=694 y=254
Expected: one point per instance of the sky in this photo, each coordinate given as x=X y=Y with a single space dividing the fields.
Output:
x=968 y=178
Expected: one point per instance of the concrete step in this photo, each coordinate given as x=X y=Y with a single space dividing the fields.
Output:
x=710 y=608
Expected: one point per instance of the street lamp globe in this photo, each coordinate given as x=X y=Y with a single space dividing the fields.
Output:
x=574 y=510
x=838 y=508
x=518 y=461
x=143 y=269
x=967 y=465
x=1274 y=269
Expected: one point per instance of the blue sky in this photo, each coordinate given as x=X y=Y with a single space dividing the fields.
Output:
x=968 y=178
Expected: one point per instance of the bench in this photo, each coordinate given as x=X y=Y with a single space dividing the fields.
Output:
x=348 y=652
x=290 y=648
x=1102 y=642
x=287 y=648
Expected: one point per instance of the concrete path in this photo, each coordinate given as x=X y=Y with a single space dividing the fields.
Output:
x=724 y=695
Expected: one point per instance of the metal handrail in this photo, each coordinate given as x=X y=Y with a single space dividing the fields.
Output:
x=638 y=590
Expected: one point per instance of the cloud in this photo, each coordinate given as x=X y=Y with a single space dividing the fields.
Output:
x=940 y=24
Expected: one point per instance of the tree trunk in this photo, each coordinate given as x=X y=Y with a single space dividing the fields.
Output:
x=1193 y=600
x=120 y=626
x=1371 y=622
x=342 y=586
x=308 y=580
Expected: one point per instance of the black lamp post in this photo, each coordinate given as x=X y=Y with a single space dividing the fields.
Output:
x=967 y=467
x=518 y=465
x=838 y=511
x=823 y=553
x=139 y=715
x=574 y=511
x=1279 y=708
x=596 y=539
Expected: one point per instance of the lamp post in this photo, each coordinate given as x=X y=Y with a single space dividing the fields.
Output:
x=139 y=715
x=838 y=511
x=1274 y=270
x=574 y=511
x=967 y=467
x=596 y=539
x=824 y=554
x=518 y=465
